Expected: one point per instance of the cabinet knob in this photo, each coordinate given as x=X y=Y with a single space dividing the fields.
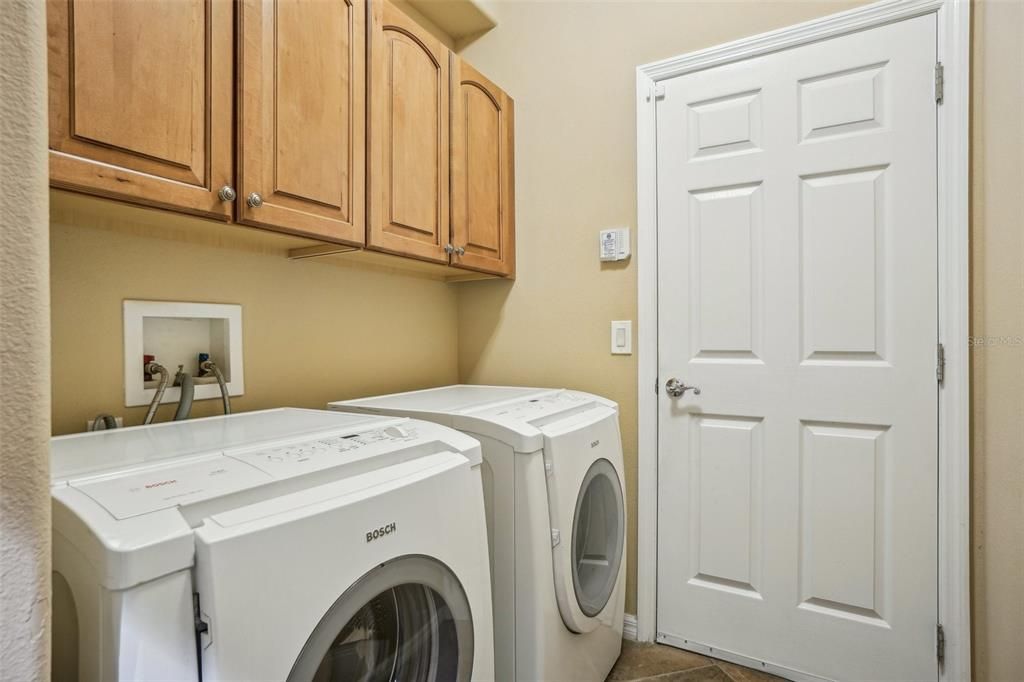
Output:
x=254 y=200
x=449 y=249
x=460 y=251
x=227 y=193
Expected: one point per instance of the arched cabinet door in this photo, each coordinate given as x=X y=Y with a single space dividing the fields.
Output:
x=482 y=172
x=301 y=127
x=408 y=137
x=141 y=98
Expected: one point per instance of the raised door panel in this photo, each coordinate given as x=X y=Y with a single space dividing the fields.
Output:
x=301 y=133
x=483 y=170
x=140 y=99
x=408 y=131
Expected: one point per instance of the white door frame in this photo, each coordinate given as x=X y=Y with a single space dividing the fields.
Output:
x=954 y=395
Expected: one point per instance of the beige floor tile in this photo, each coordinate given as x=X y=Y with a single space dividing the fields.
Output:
x=639 y=661
x=710 y=673
x=658 y=663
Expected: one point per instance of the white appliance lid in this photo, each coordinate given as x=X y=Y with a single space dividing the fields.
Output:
x=447 y=399
x=516 y=416
x=83 y=454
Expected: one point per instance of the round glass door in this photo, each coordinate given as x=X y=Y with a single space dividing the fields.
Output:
x=406 y=621
x=598 y=536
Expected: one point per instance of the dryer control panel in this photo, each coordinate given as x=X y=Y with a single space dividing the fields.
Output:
x=531 y=408
x=542 y=411
x=523 y=422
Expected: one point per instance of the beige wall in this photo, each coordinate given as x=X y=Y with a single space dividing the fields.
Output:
x=997 y=233
x=313 y=331
x=24 y=347
x=571 y=67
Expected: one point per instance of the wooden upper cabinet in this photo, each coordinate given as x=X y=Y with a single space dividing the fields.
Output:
x=301 y=130
x=352 y=123
x=140 y=98
x=408 y=130
x=482 y=173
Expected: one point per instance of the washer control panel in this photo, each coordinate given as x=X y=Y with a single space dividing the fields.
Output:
x=148 y=490
x=294 y=458
x=129 y=494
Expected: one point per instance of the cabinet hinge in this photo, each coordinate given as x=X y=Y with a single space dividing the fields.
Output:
x=655 y=385
x=940 y=82
x=940 y=363
x=659 y=91
x=940 y=643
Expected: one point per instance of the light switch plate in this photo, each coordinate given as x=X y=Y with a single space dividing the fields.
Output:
x=622 y=337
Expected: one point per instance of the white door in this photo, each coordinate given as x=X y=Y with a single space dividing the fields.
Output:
x=797 y=288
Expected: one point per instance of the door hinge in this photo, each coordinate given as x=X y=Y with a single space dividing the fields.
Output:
x=659 y=91
x=940 y=82
x=940 y=643
x=940 y=363
x=655 y=385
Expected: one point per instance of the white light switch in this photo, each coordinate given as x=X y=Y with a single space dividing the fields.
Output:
x=622 y=337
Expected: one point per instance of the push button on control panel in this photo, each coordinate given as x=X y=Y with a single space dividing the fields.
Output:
x=396 y=432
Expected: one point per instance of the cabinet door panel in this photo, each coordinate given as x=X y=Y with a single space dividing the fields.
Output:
x=408 y=137
x=141 y=100
x=302 y=116
x=483 y=170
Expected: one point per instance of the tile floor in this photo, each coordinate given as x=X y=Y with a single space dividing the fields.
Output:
x=657 y=663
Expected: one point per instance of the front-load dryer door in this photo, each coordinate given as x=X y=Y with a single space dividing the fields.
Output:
x=583 y=457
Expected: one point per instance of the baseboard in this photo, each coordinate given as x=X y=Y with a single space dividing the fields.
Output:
x=629 y=627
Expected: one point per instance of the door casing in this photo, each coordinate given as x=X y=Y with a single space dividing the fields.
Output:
x=953 y=17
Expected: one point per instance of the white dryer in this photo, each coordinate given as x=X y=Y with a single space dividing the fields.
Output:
x=554 y=494
x=297 y=545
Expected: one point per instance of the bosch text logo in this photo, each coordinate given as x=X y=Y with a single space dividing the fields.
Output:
x=160 y=483
x=378 y=533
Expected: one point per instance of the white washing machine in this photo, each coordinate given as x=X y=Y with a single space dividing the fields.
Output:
x=297 y=545
x=553 y=489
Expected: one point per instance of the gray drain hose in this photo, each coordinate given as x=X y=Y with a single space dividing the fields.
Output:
x=156 y=368
x=188 y=392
